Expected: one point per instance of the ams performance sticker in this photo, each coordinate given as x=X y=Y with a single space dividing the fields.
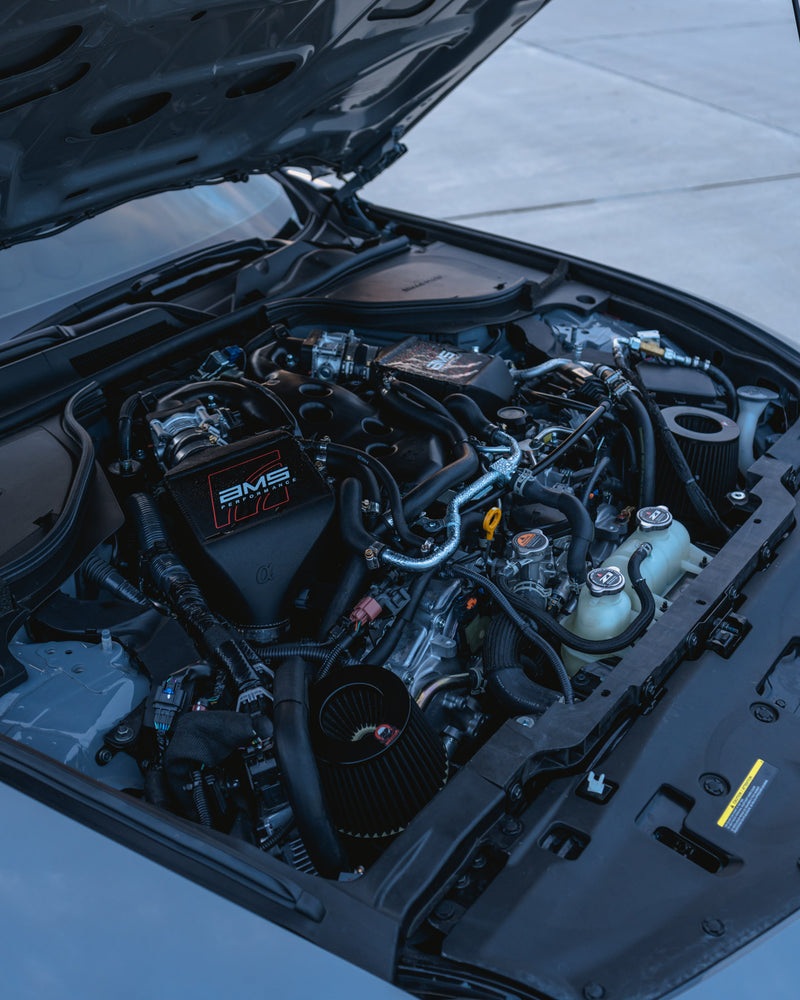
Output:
x=746 y=796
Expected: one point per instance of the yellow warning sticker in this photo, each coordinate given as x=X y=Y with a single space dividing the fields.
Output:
x=747 y=795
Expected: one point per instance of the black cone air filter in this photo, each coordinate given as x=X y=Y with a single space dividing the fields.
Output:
x=710 y=444
x=379 y=760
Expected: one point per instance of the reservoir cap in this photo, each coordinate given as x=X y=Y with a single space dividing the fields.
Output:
x=531 y=544
x=654 y=518
x=605 y=580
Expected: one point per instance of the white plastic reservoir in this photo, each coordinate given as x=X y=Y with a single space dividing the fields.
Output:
x=603 y=611
x=673 y=554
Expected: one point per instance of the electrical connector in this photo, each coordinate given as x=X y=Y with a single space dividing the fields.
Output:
x=168 y=701
x=365 y=611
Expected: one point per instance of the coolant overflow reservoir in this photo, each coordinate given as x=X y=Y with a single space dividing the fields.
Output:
x=672 y=557
x=603 y=611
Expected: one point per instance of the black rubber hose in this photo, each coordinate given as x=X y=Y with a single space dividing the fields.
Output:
x=125 y=426
x=569 y=442
x=594 y=478
x=530 y=633
x=299 y=771
x=468 y=413
x=505 y=675
x=728 y=388
x=419 y=408
x=463 y=467
x=127 y=412
x=105 y=577
x=419 y=396
x=351 y=584
x=647 y=448
x=702 y=505
x=251 y=397
x=351 y=517
x=387 y=481
x=599 y=647
x=390 y=638
x=580 y=522
x=370 y=488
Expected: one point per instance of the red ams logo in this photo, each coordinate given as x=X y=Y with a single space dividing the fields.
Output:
x=251 y=487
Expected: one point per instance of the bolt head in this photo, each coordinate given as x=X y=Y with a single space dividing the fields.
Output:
x=764 y=712
x=445 y=910
x=713 y=927
x=714 y=784
x=594 y=991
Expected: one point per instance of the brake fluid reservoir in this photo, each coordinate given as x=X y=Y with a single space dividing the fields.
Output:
x=603 y=611
x=673 y=554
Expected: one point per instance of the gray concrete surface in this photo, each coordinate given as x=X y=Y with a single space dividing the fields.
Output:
x=663 y=138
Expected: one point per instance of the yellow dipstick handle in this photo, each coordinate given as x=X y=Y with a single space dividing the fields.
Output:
x=491 y=521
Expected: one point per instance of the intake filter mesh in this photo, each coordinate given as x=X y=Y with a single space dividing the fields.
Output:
x=710 y=444
x=379 y=760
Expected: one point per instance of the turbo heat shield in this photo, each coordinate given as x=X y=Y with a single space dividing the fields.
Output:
x=255 y=511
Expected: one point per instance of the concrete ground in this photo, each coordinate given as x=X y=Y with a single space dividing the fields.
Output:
x=662 y=138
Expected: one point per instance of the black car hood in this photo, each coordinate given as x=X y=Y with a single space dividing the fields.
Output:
x=100 y=103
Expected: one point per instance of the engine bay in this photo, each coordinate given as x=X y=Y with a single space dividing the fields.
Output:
x=346 y=583
x=346 y=558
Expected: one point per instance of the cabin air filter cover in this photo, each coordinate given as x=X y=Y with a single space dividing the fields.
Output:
x=379 y=760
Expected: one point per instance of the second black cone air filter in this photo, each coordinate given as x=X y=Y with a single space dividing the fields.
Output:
x=379 y=760
x=710 y=444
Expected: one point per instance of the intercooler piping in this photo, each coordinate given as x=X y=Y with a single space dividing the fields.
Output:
x=501 y=471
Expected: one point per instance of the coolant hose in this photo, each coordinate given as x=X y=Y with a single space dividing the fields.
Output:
x=462 y=468
x=505 y=675
x=647 y=447
x=580 y=521
x=351 y=517
x=467 y=412
x=530 y=633
x=384 y=477
x=599 y=647
x=299 y=769
x=423 y=411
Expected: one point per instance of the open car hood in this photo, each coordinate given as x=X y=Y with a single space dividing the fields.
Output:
x=100 y=103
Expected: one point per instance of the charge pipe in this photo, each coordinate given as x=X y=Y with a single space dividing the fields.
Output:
x=501 y=471
x=539 y=371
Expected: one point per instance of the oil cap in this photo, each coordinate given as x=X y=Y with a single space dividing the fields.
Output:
x=530 y=545
x=654 y=518
x=604 y=581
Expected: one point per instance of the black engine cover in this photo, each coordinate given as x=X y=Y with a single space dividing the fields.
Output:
x=256 y=510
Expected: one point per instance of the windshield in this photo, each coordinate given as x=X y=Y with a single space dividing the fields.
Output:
x=40 y=277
